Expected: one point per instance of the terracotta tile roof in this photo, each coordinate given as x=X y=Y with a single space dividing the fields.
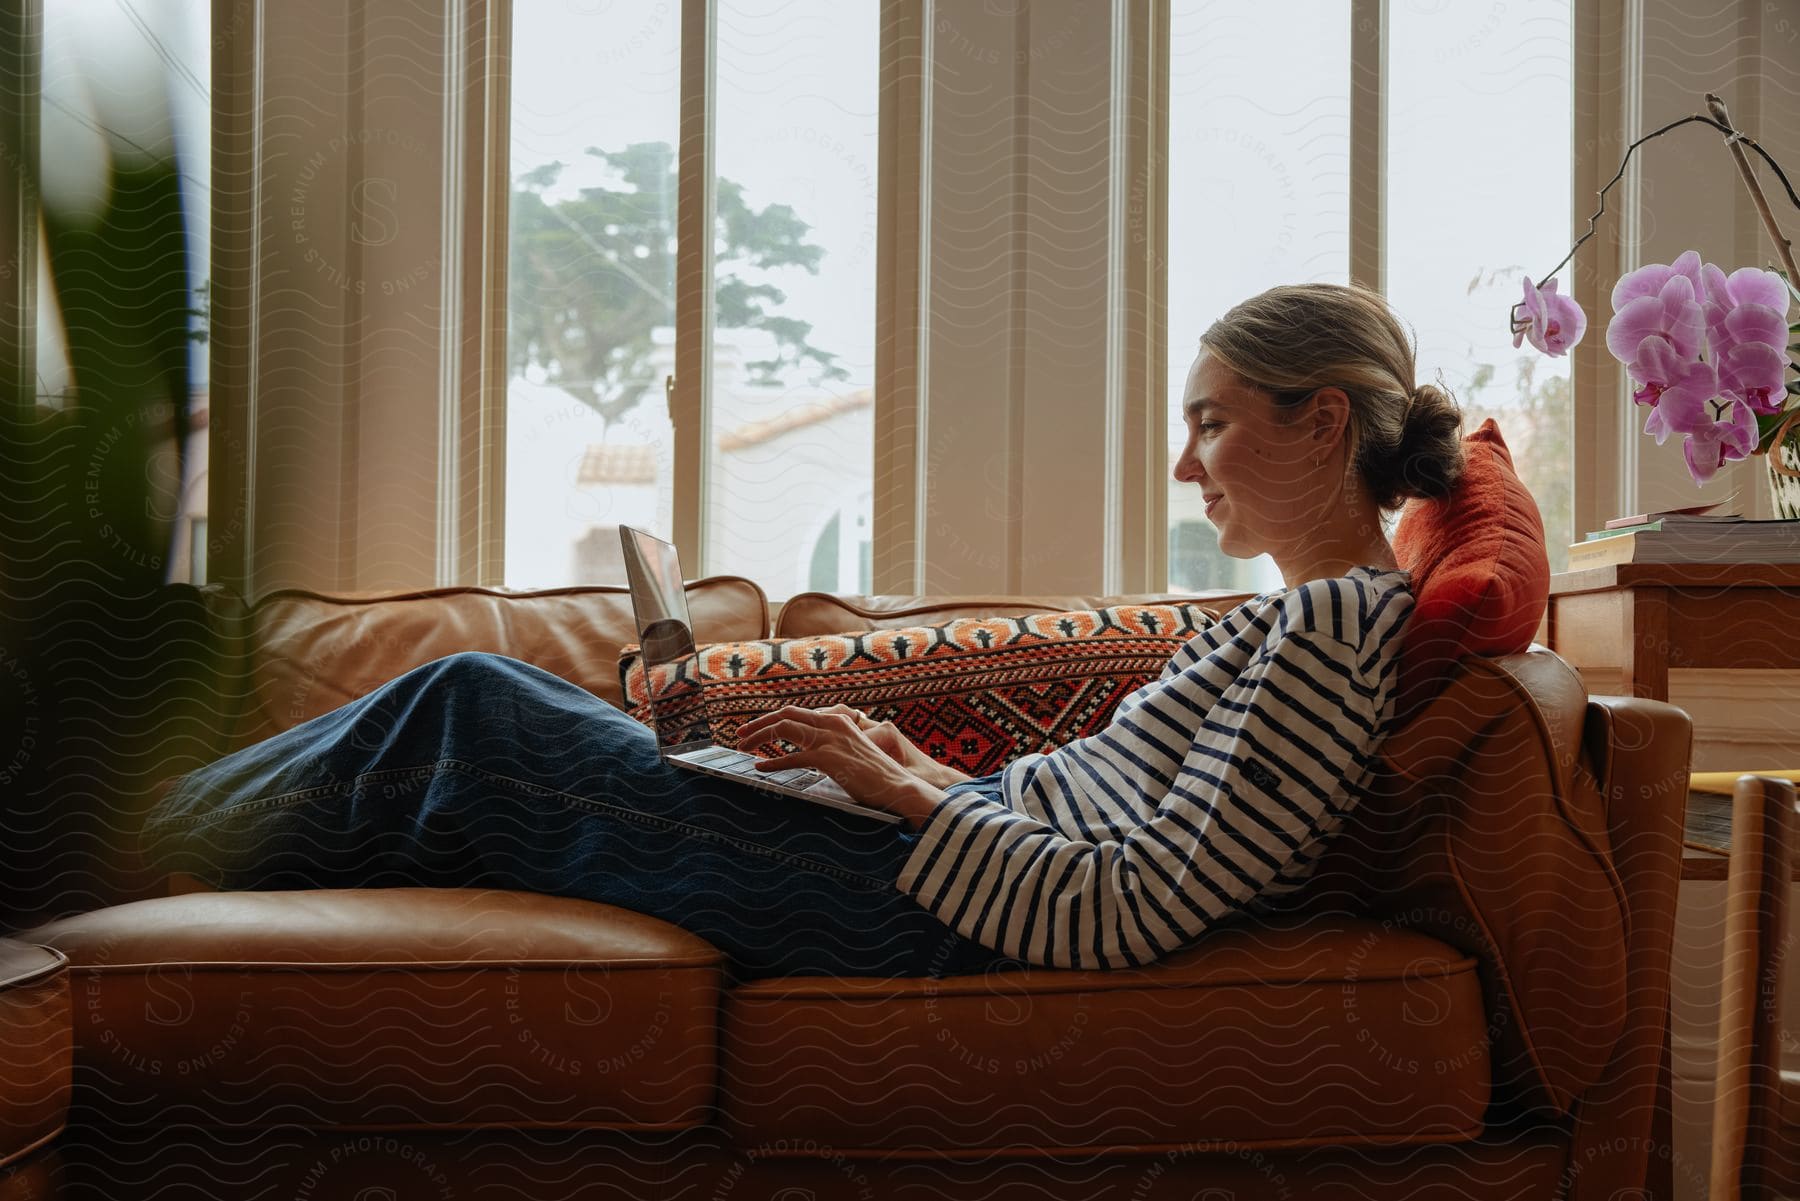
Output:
x=755 y=432
x=629 y=464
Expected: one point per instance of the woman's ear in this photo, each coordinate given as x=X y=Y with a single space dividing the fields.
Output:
x=1330 y=419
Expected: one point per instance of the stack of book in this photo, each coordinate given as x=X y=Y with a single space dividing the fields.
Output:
x=1688 y=536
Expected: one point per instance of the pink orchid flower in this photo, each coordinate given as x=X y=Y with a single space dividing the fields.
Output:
x=1672 y=313
x=1730 y=435
x=1553 y=323
x=1648 y=280
x=1755 y=373
x=1677 y=387
x=1746 y=285
x=1734 y=325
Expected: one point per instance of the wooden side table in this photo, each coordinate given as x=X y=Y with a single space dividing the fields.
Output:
x=1641 y=619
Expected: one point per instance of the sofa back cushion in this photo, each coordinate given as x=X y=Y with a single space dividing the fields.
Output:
x=974 y=693
x=311 y=652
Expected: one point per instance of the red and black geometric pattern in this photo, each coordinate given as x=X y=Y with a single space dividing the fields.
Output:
x=974 y=693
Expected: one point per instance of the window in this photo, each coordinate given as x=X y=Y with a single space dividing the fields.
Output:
x=792 y=402
x=1478 y=132
x=591 y=283
x=1194 y=549
x=1017 y=243
x=841 y=556
x=1479 y=157
x=1259 y=185
x=596 y=108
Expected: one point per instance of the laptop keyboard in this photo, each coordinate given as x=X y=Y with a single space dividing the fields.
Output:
x=741 y=763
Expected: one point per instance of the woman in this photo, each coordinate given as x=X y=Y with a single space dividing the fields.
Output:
x=1212 y=791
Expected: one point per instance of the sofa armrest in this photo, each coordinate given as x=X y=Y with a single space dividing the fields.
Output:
x=1641 y=750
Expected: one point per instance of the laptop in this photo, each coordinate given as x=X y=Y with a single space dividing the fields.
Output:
x=672 y=681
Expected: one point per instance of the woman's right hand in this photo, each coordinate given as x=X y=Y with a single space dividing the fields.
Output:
x=897 y=746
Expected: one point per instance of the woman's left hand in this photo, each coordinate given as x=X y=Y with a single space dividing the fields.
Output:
x=834 y=744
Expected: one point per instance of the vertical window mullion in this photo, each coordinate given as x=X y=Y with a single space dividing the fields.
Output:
x=485 y=364
x=1368 y=142
x=694 y=273
x=454 y=527
x=902 y=277
x=1137 y=452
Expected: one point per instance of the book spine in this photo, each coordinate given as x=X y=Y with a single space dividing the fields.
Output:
x=1619 y=531
x=1604 y=552
x=1658 y=548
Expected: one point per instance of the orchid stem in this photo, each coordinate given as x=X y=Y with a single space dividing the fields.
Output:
x=1738 y=142
x=1783 y=248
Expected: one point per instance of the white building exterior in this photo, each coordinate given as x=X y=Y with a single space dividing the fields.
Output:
x=791 y=479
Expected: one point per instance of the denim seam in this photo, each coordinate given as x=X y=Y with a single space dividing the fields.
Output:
x=633 y=815
x=285 y=798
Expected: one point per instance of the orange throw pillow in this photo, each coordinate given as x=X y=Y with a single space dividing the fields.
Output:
x=1480 y=571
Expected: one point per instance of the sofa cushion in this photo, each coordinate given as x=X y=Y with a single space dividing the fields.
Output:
x=1480 y=571
x=831 y=613
x=312 y=652
x=36 y=1048
x=974 y=693
x=385 y=1008
x=1319 y=1031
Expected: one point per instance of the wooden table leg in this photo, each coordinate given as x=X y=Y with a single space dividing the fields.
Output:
x=1646 y=666
x=1748 y=1154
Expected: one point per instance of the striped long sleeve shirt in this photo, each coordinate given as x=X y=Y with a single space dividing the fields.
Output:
x=1215 y=786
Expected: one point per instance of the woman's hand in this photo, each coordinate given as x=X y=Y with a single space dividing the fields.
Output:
x=868 y=759
x=895 y=745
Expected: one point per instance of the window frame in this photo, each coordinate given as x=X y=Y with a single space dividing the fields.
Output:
x=1135 y=456
x=911 y=554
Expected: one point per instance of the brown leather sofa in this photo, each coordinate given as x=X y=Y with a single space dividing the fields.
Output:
x=1469 y=1000
x=36 y=1055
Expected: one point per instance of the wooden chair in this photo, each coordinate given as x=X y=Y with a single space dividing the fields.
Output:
x=1756 y=1113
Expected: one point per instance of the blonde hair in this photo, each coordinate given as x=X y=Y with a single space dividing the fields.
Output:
x=1405 y=438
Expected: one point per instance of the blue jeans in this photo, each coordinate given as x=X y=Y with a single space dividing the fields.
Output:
x=478 y=770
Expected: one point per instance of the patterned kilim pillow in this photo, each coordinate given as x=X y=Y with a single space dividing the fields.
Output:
x=974 y=693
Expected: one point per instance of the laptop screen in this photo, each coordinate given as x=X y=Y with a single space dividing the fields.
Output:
x=665 y=632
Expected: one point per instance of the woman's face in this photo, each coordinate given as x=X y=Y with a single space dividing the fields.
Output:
x=1264 y=489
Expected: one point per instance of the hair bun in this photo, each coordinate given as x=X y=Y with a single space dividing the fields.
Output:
x=1293 y=339
x=1431 y=442
x=1425 y=397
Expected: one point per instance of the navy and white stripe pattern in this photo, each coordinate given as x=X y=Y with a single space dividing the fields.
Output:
x=1215 y=785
